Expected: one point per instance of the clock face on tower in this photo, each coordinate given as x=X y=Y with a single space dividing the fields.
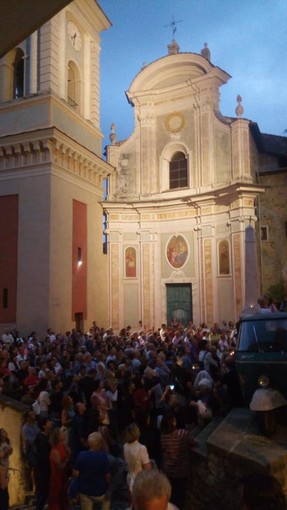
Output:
x=74 y=36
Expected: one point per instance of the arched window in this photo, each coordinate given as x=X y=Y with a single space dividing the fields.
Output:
x=74 y=86
x=178 y=171
x=18 y=78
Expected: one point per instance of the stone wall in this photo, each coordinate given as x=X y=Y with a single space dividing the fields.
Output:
x=228 y=450
x=11 y=419
x=272 y=212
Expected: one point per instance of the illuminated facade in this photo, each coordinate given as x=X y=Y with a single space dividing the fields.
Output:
x=185 y=189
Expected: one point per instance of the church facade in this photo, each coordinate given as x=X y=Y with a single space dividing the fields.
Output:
x=185 y=190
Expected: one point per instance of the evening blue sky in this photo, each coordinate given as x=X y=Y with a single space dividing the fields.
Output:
x=247 y=39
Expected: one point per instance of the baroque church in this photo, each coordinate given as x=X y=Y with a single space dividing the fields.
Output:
x=181 y=191
x=187 y=185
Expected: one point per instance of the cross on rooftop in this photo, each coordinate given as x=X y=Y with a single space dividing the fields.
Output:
x=173 y=24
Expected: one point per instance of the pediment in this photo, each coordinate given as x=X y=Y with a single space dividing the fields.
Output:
x=174 y=70
x=174 y=77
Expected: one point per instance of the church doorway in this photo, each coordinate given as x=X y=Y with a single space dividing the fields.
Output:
x=179 y=303
x=79 y=319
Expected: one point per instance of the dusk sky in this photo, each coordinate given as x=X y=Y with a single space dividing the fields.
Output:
x=246 y=38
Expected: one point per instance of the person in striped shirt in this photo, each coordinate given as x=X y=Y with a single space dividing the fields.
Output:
x=175 y=448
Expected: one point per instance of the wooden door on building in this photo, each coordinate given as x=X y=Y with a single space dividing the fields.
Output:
x=179 y=302
x=79 y=319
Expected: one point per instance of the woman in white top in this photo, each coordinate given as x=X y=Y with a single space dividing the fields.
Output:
x=44 y=398
x=135 y=454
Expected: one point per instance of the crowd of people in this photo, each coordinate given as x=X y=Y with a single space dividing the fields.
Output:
x=103 y=406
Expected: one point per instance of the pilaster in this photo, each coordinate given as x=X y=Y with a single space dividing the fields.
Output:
x=241 y=168
x=95 y=84
x=63 y=69
x=6 y=82
x=33 y=86
x=149 y=181
x=206 y=156
x=87 y=76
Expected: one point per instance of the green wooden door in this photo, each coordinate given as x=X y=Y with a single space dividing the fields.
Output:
x=179 y=303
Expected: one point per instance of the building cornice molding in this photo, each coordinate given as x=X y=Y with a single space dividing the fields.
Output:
x=91 y=11
x=226 y=194
x=51 y=147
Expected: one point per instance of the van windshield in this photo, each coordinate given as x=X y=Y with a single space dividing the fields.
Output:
x=263 y=336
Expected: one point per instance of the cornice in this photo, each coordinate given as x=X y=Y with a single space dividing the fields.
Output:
x=238 y=204
x=90 y=15
x=222 y=196
x=51 y=147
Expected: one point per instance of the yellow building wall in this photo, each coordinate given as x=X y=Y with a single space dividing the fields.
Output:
x=11 y=419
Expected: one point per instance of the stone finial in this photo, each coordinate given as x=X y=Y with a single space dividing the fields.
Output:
x=239 y=108
x=173 y=47
x=113 y=135
x=205 y=52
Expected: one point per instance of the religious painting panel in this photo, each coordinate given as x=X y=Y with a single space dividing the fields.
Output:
x=177 y=251
x=224 y=257
x=130 y=262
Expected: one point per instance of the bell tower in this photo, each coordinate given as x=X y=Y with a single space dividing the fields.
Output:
x=52 y=173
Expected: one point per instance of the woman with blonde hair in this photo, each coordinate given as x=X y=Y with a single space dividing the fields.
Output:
x=43 y=398
x=135 y=454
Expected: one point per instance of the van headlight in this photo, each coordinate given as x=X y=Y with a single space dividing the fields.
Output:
x=263 y=381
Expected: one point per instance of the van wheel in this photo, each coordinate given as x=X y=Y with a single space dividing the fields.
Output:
x=267 y=421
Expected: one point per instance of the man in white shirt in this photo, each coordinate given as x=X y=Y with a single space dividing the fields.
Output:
x=51 y=335
x=7 y=338
x=163 y=332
